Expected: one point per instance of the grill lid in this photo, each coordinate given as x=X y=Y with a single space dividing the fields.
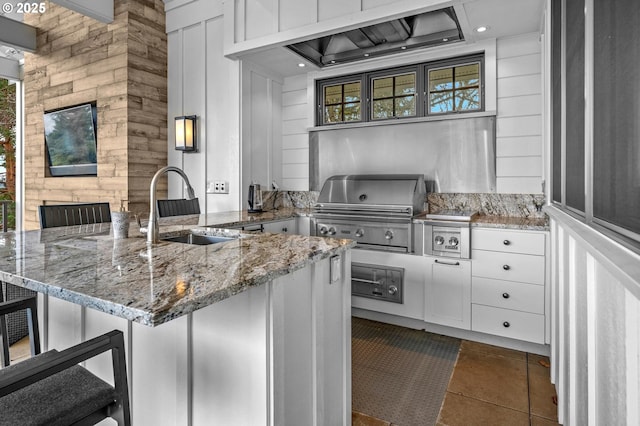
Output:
x=405 y=193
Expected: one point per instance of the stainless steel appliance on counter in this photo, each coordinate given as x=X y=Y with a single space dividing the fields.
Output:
x=377 y=212
x=447 y=233
x=374 y=210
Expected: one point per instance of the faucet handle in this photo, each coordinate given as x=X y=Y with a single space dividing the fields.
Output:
x=143 y=229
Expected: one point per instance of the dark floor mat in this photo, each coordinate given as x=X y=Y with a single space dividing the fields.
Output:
x=398 y=374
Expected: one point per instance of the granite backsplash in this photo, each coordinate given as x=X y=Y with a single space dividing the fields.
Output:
x=511 y=205
x=489 y=204
x=272 y=200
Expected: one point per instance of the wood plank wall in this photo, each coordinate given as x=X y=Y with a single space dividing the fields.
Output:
x=122 y=67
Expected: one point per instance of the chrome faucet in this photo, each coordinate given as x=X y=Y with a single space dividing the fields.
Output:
x=152 y=227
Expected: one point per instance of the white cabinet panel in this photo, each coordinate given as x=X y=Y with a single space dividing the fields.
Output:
x=281 y=227
x=508 y=241
x=517 y=46
x=508 y=266
x=328 y=9
x=261 y=18
x=295 y=156
x=508 y=323
x=448 y=292
x=519 y=185
x=508 y=295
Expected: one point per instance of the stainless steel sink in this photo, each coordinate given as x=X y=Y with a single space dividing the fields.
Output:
x=201 y=240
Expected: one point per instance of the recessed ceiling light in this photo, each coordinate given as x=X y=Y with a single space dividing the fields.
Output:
x=481 y=29
x=403 y=47
x=301 y=65
x=445 y=39
x=366 y=55
x=333 y=62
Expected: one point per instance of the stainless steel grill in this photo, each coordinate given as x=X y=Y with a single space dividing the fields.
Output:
x=374 y=210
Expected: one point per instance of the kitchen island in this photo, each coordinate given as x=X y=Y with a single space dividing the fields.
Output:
x=251 y=331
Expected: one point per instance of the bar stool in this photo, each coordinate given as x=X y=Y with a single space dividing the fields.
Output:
x=52 y=389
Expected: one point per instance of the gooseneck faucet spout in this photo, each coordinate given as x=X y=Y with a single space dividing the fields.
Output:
x=152 y=227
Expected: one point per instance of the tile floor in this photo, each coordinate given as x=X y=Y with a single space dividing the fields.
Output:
x=493 y=386
x=489 y=386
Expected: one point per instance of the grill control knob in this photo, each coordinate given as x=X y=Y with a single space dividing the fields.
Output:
x=392 y=290
x=323 y=230
x=388 y=235
x=332 y=231
x=439 y=240
x=359 y=232
x=453 y=241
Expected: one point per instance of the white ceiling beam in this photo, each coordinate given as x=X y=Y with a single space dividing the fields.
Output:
x=101 y=10
x=18 y=35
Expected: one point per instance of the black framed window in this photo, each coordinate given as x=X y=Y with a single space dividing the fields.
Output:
x=341 y=102
x=394 y=96
x=417 y=90
x=454 y=88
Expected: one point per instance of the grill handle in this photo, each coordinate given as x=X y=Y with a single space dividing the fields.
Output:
x=362 y=280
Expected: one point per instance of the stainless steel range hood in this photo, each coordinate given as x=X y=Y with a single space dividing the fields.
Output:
x=427 y=29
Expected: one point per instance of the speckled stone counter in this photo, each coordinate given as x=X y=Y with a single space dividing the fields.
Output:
x=507 y=222
x=86 y=266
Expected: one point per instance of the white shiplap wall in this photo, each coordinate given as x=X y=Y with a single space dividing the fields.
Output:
x=519 y=166
x=295 y=137
x=518 y=126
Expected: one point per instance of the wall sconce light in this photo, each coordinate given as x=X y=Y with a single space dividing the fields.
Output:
x=186 y=133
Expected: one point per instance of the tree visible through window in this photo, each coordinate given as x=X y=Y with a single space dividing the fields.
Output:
x=342 y=102
x=454 y=89
x=394 y=96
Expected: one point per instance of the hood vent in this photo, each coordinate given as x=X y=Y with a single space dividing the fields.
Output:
x=427 y=29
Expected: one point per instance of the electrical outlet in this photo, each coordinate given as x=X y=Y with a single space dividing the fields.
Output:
x=220 y=187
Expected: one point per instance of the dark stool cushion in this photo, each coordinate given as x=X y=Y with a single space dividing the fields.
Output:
x=60 y=399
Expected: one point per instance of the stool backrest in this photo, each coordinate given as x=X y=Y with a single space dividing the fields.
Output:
x=168 y=208
x=73 y=214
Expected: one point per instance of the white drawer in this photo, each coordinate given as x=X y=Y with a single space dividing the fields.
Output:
x=507 y=241
x=508 y=295
x=508 y=266
x=507 y=323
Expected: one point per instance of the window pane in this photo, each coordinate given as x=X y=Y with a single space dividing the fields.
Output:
x=405 y=106
x=333 y=94
x=467 y=75
x=441 y=79
x=382 y=109
x=352 y=92
x=467 y=99
x=333 y=114
x=574 y=52
x=616 y=150
x=383 y=88
x=405 y=85
x=441 y=102
x=352 y=112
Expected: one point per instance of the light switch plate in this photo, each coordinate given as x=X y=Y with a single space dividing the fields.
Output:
x=335 y=269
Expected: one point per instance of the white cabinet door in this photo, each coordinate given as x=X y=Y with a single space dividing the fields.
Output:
x=281 y=227
x=447 y=293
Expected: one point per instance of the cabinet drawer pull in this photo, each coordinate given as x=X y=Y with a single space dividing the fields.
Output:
x=506 y=267
x=448 y=263
x=506 y=242
x=505 y=295
x=506 y=324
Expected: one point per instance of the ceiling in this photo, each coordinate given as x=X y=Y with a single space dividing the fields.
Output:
x=503 y=18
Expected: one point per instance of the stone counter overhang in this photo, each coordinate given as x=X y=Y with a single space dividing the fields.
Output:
x=125 y=278
x=503 y=222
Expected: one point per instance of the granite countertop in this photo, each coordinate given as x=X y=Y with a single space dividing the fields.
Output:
x=234 y=218
x=86 y=266
x=503 y=222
